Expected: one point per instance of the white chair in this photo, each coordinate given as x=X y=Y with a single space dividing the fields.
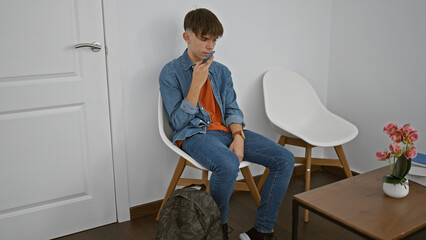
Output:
x=295 y=111
x=186 y=160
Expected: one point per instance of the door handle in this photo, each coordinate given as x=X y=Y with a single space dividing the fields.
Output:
x=95 y=46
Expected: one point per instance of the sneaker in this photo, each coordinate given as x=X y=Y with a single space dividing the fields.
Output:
x=253 y=234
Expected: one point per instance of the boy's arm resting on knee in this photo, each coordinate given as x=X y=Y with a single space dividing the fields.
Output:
x=237 y=145
x=232 y=112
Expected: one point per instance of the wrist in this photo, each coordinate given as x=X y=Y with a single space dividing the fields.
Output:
x=239 y=134
x=238 y=139
x=196 y=86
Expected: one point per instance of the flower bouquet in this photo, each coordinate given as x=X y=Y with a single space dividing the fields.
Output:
x=399 y=157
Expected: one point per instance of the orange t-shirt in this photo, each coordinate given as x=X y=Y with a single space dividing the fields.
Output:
x=209 y=103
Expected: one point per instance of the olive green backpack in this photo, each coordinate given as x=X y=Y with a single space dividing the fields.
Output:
x=190 y=213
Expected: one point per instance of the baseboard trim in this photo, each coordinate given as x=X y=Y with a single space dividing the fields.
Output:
x=144 y=210
x=152 y=208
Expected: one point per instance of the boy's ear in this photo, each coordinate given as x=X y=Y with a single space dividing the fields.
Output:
x=186 y=37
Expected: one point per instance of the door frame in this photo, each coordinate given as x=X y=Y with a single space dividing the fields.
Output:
x=115 y=95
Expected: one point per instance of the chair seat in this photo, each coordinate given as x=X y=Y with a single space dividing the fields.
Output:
x=322 y=130
x=195 y=163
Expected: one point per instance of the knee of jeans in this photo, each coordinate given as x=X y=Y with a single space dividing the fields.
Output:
x=285 y=160
x=228 y=170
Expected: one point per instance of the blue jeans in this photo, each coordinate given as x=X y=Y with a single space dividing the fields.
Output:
x=212 y=151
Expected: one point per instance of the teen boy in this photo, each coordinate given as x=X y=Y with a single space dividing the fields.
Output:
x=200 y=101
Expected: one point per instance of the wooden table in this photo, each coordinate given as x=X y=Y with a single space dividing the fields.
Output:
x=359 y=205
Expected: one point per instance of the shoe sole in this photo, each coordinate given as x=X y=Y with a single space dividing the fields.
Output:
x=244 y=236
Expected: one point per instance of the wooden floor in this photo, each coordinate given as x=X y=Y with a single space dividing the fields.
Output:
x=242 y=214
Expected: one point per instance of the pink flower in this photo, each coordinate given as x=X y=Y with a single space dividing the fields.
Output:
x=396 y=136
x=395 y=149
x=389 y=127
x=382 y=155
x=412 y=137
x=407 y=130
x=411 y=153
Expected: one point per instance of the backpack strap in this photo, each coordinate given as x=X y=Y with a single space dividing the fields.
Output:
x=202 y=186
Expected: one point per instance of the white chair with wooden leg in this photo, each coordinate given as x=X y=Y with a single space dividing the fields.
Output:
x=296 y=112
x=186 y=160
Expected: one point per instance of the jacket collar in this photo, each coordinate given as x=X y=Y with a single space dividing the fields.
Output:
x=185 y=61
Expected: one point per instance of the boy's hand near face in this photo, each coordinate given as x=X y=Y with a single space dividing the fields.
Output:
x=201 y=72
x=199 y=77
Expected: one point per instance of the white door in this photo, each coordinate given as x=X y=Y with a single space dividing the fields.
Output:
x=56 y=173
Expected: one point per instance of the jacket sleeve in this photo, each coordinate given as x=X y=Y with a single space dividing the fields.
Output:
x=233 y=113
x=179 y=111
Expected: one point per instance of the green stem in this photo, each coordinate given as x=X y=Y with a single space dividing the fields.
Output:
x=390 y=164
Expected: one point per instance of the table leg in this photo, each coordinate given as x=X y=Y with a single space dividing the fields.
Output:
x=295 y=220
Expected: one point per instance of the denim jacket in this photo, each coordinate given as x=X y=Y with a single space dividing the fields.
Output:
x=185 y=119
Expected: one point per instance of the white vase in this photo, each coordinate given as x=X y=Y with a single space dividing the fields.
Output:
x=398 y=190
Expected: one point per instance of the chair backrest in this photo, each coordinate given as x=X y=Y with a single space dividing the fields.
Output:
x=163 y=123
x=290 y=97
x=166 y=133
x=294 y=109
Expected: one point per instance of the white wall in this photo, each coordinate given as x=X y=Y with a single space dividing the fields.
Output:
x=259 y=35
x=378 y=72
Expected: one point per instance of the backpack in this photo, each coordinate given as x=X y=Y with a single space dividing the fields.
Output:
x=190 y=213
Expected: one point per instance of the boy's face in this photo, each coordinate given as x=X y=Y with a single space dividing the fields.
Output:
x=199 y=47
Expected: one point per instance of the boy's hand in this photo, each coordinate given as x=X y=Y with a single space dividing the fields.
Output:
x=237 y=146
x=201 y=72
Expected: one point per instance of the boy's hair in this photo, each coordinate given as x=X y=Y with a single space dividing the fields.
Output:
x=203 y=22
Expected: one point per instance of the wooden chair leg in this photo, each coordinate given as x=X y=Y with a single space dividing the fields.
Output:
x=343 y=161
x=173 y=182
x=308 y=155
x=251 y=185
x=282 y=141
x=206 y=180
